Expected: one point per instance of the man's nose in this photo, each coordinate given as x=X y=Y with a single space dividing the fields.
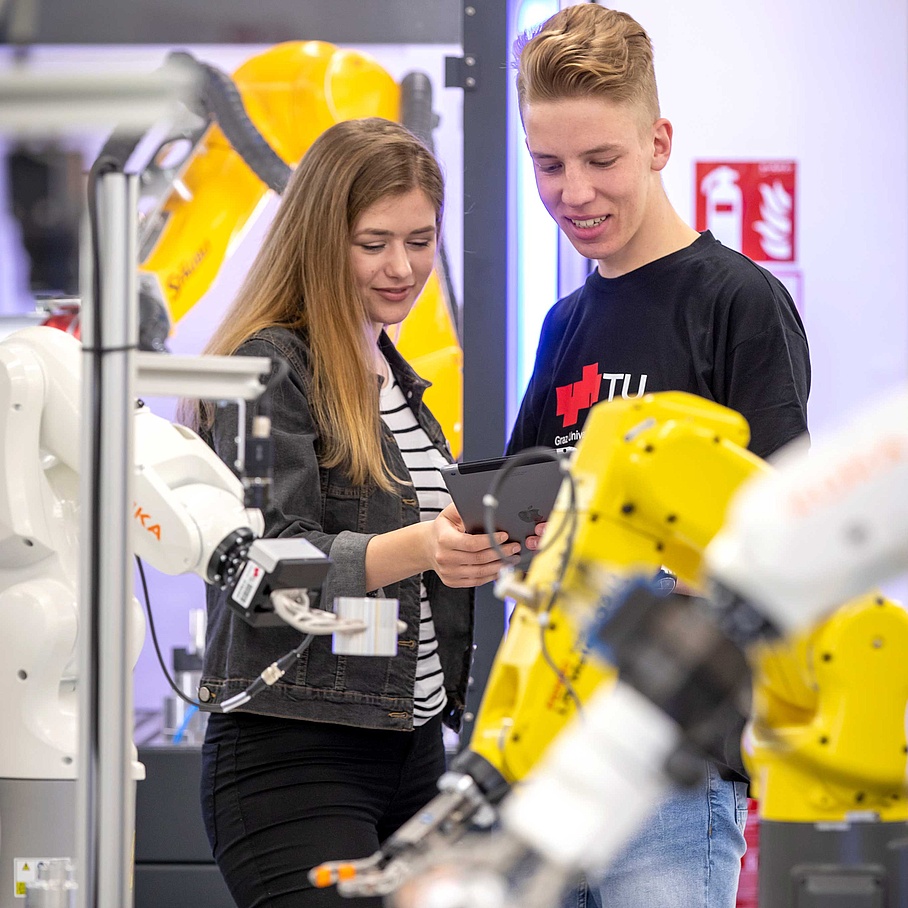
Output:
x=576 y=188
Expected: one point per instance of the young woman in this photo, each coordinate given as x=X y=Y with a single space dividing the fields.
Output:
x=342 y=750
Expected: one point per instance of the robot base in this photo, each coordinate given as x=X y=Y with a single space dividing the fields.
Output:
x=860 y=864
x=39 y=823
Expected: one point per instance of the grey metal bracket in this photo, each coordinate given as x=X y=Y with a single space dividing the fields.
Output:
x=207 y=377
x=462 y=72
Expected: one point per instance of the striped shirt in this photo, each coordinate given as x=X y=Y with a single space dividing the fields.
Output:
x=422 y=459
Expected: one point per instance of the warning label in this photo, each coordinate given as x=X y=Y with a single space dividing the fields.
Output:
x=750 y=206
x=247 y=586
x=26 y=871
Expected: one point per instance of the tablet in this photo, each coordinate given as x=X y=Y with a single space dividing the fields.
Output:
x=526 y=494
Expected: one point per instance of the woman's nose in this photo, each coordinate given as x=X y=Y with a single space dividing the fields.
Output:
x=398 y=261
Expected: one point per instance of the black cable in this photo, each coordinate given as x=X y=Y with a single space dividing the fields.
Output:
x=490 y=500
x=562 y=677
x=569 y=524
x=275 y=671
x=256 y=687
x=416 y=114
x=154 y=638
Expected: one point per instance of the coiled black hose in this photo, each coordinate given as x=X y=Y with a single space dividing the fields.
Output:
x=222 y=102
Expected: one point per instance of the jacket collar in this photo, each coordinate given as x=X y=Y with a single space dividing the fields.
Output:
x=406 y=377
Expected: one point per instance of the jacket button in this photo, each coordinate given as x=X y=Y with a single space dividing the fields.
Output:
x=204 y=694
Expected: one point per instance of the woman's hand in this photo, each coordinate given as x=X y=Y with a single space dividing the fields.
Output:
x=441 y=545
x=465 y=559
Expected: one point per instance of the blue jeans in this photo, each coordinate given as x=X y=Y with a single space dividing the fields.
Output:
x=688 y=855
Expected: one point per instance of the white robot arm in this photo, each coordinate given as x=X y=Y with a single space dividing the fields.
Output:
x=188 y=517
x=186 y=500
x=827 y=525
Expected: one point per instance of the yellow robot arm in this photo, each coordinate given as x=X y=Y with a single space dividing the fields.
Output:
x=654 y=481
x=291 y=93
x=653 y=478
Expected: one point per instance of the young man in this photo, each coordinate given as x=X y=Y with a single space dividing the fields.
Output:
x=667 y=308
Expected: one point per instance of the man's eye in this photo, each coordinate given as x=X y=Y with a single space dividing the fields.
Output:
x=548 y=168
x=604 y=163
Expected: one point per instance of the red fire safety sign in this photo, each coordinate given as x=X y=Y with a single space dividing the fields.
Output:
x=749 y=206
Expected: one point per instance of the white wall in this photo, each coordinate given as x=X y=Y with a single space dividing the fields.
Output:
x=827 y=85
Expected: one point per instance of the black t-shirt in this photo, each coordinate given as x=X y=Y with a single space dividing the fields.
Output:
x=706 y=320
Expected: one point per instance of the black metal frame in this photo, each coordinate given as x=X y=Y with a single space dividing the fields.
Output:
x=485 y=276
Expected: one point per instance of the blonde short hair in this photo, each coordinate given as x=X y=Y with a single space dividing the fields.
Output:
x=583 y=51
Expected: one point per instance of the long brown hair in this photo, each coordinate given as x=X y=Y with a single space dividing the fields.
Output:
x=302 y=280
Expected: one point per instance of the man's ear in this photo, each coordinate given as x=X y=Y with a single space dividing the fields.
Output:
x=662 y=143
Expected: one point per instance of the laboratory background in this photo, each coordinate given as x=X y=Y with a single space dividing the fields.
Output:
x=790 y=144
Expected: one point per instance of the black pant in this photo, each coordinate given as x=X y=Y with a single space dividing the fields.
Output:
x=280 y=796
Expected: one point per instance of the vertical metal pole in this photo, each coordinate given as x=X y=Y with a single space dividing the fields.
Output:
x=485 y=277
x=105 y=791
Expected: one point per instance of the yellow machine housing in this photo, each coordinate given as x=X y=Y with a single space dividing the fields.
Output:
x=827 y=737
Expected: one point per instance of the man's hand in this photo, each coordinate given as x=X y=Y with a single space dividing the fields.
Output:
x=533 y=542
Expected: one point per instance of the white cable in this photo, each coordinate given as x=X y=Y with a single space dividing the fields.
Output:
x=231 y=704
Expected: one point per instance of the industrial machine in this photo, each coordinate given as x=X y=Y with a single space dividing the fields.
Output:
x=214 y=171
x=189 y=516
x=657 y=680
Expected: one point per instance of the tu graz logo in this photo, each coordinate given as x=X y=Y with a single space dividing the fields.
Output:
x=581 y=395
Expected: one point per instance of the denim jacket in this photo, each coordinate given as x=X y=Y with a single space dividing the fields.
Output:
x=339 y=518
